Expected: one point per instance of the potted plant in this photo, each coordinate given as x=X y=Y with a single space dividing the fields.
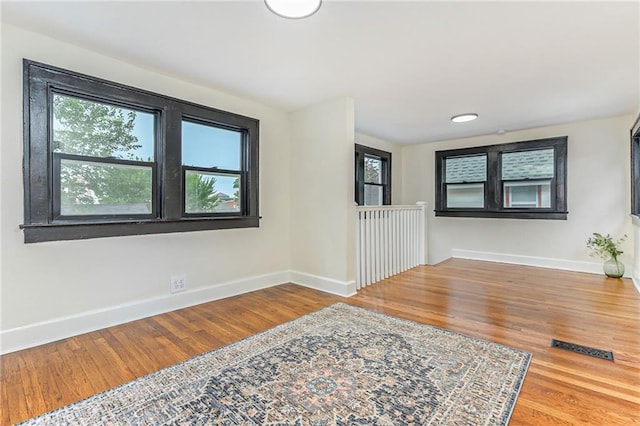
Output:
x=608 y=249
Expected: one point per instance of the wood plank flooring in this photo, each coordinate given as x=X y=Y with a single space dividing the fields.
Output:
x=523 y=307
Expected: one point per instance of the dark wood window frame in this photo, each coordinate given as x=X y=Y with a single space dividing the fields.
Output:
x=635 y=167
x=360 y=152
x=493 y=195
x=42 y=221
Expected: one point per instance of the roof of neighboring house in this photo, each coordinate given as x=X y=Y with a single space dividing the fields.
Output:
x=528 y=164
x=466 y=169
x=536 y=164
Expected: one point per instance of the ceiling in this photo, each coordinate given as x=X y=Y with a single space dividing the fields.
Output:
x=409 y=66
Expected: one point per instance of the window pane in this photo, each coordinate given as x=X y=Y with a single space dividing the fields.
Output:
x=90 y=188
x=212 y=192
x=209 y=146
x=527 y=194
x=372 y=195
x=100 y=130
x=465 y=196
x=466 y=169
x=521 y=165
x=372 y=169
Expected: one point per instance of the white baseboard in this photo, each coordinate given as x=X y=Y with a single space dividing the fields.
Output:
x=60 y=328
x=31 y=335
x=328 y=285
x=636 y=283
x=541 y=262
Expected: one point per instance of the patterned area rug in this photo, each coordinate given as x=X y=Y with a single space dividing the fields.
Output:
x=341 y=365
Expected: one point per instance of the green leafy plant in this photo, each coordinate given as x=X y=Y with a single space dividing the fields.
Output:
x=604 y=246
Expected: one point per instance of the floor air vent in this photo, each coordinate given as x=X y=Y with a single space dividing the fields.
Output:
x=585 y=350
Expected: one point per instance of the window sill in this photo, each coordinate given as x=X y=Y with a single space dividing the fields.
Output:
x=503 y=214
x=81 y=231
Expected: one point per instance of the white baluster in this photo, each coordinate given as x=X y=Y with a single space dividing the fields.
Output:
x=367 y=224
x=389 y=240
x=358 y=245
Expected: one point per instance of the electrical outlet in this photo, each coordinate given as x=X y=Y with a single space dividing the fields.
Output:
x=178 y=283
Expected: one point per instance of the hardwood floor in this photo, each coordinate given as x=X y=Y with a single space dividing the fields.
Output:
x=523 y=307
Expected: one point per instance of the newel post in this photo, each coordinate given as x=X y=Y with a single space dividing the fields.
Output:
x=423 y=250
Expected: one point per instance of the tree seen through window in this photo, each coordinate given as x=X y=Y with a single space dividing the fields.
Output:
x=90 y=130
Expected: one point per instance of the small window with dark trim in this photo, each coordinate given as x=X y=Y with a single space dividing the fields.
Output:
x=635 y=167
x=373 y=176
x=516 y=180
x=103 y=159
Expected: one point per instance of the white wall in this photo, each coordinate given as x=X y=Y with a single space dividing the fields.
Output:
x=598 y=200
x=322 y=203
x=396 y=162
x=636 y=251
x=50 y=290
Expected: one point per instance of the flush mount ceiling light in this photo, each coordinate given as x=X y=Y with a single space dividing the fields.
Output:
x=293 y=9
x=461 y=118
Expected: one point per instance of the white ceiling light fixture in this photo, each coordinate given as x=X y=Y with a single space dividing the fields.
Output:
x=293 y=9
x=462 y=118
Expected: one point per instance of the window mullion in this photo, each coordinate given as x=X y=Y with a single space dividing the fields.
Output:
x=170 y=156
x=493 y=189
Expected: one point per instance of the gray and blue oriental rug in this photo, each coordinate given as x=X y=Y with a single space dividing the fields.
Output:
x=339 y=366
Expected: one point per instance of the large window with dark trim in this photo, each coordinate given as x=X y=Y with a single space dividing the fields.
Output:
x=103 y=159
x=373 y=176
x=635 y=167
x=524 y=180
